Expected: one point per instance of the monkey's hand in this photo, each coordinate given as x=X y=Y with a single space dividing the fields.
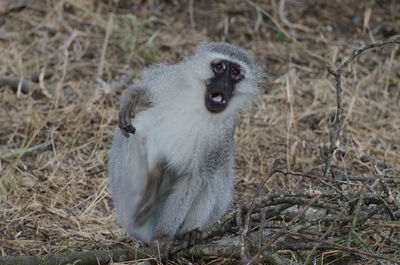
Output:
x=126 y=113
x=159 y=246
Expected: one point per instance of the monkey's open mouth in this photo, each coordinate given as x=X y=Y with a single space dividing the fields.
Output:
x=216 y=101
x=218 y=98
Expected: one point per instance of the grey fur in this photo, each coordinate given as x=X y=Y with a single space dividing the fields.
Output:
x=184 y=151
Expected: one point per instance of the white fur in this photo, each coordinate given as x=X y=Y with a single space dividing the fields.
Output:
x=179 y=129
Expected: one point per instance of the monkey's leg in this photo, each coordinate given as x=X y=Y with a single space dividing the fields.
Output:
x=173 y=214
x=210 y=205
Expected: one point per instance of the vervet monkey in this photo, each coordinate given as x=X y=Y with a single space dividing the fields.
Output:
x=171 y=169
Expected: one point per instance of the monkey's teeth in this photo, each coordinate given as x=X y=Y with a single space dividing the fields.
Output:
x=218 y=98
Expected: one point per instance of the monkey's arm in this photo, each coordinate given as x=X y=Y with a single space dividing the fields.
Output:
x=128 y=101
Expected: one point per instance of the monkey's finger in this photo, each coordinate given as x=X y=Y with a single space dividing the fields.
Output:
x=125 y=124
x=124 y=133
x=124 y=118
x=194 y=236
x=185 y=240
x=126 y=127
x=127 y=130
x=130 y=129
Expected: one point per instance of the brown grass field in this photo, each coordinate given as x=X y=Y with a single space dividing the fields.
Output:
x=60 y=58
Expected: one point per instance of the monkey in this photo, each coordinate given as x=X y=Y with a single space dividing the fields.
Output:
x=171 y=168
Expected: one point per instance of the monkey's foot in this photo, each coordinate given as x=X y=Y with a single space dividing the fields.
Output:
x=189 y=238
x=159 y=246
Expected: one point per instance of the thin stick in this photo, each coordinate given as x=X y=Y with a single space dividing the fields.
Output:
x=282 y=232
x=347 y=249
x=109 y=29
x=92 y=257
x=117 y=85
x=47 y=146
x=13 y=83
x=329 y=230
x=248 y=215
x=191 y=16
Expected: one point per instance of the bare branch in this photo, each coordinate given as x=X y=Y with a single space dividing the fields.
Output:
x=334 y=133
x=246 y=226
x=47 y=146
x=347 y=249
x=14 y=82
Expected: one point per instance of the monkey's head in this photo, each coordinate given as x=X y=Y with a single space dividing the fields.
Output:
x=231 y=77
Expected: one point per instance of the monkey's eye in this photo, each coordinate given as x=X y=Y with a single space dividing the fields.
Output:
x=219 y=67
x=236 y=74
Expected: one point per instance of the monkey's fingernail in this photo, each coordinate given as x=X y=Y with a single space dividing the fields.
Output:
x=184 y=244
x=124 y=133
x=132 y=129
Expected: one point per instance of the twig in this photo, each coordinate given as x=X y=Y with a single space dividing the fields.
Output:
x=341 y=179
x=14 y=82
x=47 y=146
x=246 y=226
x=366 y=178
x=191 y=16
x=383 y=235
x=287 y=22
x=356 y=216
x=311 y=252
x=117 y=85
x=260 y=187
x=121 y=82
x=93 y=257
x=262 y=224
x=279 y=26
x=27 y=85
x=265 y=247
x=347 y=249
x=230 y=250
x=243 y=233
x=109 y=29
x=364 y=244
x=36 y=77
x=7 y=6
x=380 y=178
x=215 y=229
x=227 y=249
x=58 y=91
x=282 y=232
x=334 y=133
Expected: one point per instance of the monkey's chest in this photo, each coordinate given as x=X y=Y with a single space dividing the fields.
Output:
x=179 y=138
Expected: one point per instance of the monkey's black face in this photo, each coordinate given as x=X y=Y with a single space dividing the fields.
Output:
x=220 y=88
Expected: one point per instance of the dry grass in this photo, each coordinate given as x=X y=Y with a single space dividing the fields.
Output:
x=59 y=200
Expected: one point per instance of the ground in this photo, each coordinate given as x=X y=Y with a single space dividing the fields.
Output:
x=59 y=200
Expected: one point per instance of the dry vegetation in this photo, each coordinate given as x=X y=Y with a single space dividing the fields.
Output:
x=58 y=59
